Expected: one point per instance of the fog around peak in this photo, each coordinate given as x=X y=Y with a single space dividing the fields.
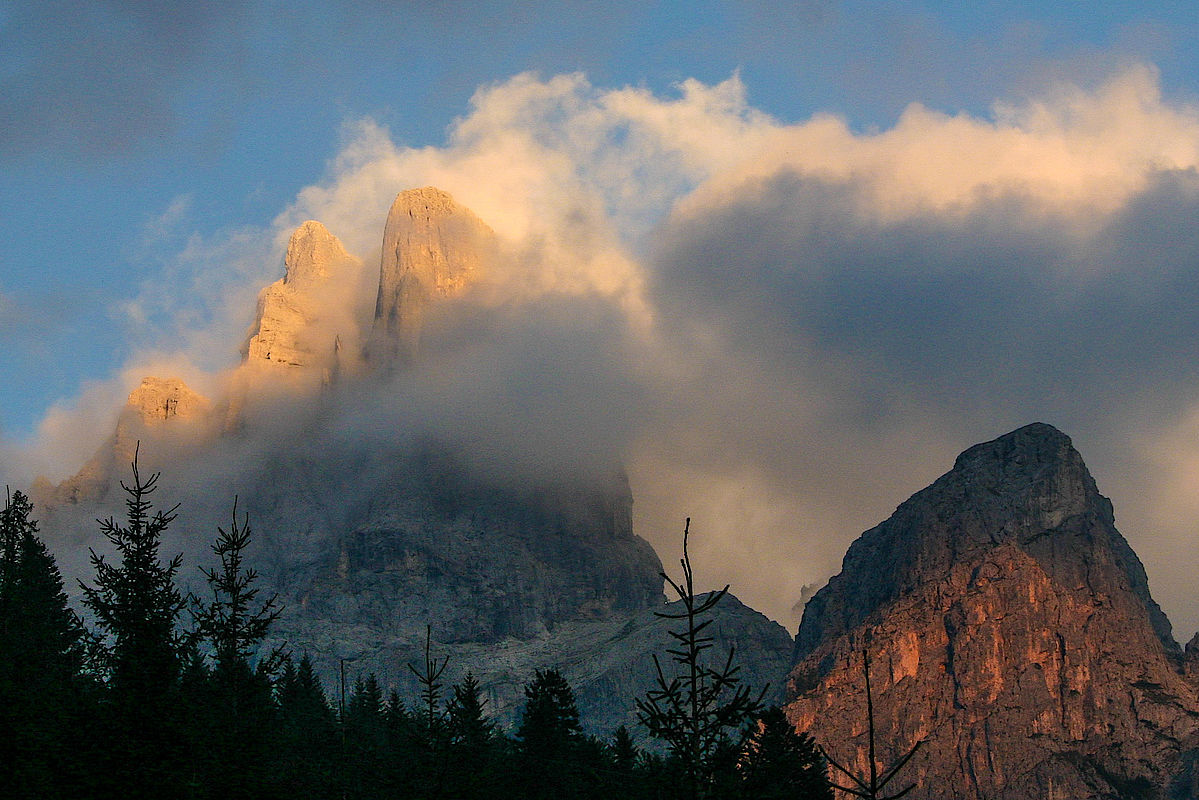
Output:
x=780 y=330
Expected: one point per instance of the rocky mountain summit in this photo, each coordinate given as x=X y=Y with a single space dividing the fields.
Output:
x=369 y=538
x=297 y=320
x=1011 y=631
x=165 y=409
x=433 y=248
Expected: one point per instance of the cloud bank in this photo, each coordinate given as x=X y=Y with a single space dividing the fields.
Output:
x=782 y=330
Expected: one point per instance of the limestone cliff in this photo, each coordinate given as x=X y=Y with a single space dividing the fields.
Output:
x=1011 y=630
x=154 y=403
x=432 y=248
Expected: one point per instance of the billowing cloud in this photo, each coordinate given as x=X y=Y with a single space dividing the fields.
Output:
x=781 y=329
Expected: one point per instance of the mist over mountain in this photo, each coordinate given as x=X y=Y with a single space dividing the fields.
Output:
x=776 y=327
x=387 y=496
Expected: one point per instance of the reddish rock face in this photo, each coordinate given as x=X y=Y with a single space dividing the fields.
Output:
x=1011 y=631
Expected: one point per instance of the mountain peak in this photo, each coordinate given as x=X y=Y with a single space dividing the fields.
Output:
x=433 y=248
x=1029 y=487
x=313 y=254
x=301 y=315
x=159 y=400
x=1032 y=448
x=1000 y=602
x=428 y=200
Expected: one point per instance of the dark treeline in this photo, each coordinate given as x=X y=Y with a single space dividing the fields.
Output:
x=165 y=694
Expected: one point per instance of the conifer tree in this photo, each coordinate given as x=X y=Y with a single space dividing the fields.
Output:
x=232 y=625
x=469 y=727
x=473 y=750
x=42 y=691
x=703 y=710
x=872 y=785
x=780 y=763
x=431 y=734
x=365 y=729
x=550 y=721
x=625 y=752
x=136 y=606
x=136 y=603
x=308 y=742
x=627 y=775
x=552 y=748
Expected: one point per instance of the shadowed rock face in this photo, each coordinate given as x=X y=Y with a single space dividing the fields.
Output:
x=1011 y=629
x=607 y=660
x=420 y=541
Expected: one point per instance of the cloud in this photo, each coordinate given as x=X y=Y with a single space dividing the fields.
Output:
x=783 y=330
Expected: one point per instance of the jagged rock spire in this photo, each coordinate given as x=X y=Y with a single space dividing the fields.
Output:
x=432 y=248
x=301 y=315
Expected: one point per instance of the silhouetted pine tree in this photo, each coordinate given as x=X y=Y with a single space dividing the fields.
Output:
x=43 y=697
x=703 y=711
x=554 y=759
x=780 y=763
x=136 y=606
x=432 y=736
x=872 y=785
x=627 y=774
x=242 y=713
x=404 y=747
x=366 y=740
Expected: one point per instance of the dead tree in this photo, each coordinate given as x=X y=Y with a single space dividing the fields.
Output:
x=872 y=788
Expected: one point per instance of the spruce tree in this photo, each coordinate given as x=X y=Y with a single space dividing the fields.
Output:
x=469 y=728
x=626 y=775
x=136 y=602
x=365 y=731
x=43 y=697
x=230 y=621
x=308 y=740
x=552 y=749
x=231 y=626
x=473 y=743
x=780 y=763
x=432 y=737
x=136 y=606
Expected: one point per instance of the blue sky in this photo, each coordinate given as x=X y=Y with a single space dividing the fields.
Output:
x=896 y=228
x=114 y=111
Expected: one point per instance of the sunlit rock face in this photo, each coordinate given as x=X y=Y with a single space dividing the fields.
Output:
x=157 y=402
x=1011 y=631
x=433 y=249
x=302 y=316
